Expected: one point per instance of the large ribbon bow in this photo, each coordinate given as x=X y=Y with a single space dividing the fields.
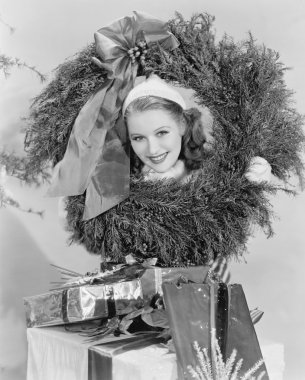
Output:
x=97 y=159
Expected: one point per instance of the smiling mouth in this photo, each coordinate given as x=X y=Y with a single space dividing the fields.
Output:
x=158 y=159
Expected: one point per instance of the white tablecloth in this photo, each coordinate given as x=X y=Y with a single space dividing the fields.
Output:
x=55 y=354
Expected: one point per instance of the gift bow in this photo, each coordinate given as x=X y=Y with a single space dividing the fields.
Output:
x=96 y=159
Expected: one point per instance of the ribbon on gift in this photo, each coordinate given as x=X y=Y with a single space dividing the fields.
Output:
x=100 y=356
x=96 y=159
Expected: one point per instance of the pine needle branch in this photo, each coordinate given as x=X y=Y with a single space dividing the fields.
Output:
x=7 y=63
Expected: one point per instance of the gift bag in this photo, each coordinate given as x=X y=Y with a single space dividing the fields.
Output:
x=195 y=311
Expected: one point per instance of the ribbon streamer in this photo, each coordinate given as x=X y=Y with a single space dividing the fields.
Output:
x=97 y=157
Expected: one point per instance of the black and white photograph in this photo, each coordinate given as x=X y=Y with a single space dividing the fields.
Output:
x=152 y=177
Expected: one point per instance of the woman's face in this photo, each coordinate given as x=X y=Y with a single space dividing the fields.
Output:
x=155 y=138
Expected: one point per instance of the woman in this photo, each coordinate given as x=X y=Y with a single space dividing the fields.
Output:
x=167 y=139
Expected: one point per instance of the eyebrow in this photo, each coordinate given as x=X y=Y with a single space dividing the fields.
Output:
x=156 y=130
x=163 y=126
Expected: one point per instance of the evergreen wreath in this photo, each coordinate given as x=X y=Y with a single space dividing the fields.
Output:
x=243 y=86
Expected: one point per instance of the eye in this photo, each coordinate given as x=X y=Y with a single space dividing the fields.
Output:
x=137 y=138
x=162 y=133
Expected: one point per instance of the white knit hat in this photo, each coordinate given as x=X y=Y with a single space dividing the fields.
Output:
x=154 y=86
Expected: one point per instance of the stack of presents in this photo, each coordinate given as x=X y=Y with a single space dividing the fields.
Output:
x=140 y=321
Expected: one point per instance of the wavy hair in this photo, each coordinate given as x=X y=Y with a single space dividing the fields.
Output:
x=193 y=148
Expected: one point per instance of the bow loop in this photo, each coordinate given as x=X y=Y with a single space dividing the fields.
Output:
x=155 y=30
x=107 y=49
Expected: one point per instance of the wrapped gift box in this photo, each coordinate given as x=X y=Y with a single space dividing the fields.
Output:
x=115 y=293
x=55 y=354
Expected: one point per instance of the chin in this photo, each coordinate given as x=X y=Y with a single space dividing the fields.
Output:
x=161 y=168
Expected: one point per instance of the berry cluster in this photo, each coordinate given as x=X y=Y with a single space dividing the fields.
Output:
x=138 y=52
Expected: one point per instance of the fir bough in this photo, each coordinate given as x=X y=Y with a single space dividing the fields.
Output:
x=215 y=367
x=243 y=86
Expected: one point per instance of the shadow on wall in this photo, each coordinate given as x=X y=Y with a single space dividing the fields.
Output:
x=24 y=271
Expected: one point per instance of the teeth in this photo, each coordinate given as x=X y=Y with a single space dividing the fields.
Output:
x=158 y=158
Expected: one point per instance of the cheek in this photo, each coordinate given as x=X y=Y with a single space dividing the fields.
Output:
x=176 y=144
x=138 y=148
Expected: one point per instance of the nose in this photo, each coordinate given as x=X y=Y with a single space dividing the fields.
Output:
x=152 y=146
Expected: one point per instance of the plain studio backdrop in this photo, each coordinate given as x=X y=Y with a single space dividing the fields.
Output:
x=47 y=32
